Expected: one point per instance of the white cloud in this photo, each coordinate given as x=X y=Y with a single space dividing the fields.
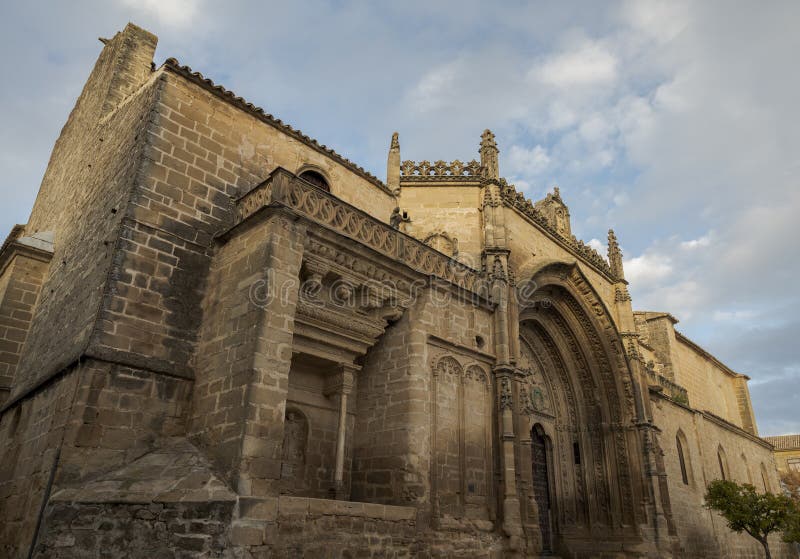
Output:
x=598 y=245
x=647 y=269
x=526 y=162
x=434 y=88
x=590 y=65
x=659 y=19
x=700 y=242
x=176 y=13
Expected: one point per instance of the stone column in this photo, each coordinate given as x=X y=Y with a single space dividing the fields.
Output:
x=504 y=378
x=341 y=385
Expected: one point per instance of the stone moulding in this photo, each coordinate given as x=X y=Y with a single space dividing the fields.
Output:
x=518 y=201
x=284 y=188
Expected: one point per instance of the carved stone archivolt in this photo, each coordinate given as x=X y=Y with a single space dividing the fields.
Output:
x=589 y=364
x=534 y=393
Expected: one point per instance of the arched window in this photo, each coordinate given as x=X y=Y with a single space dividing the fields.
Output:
x=747 y=468
x=723 y=463
x=765 y=478
x=316 y=179
x=681 y=459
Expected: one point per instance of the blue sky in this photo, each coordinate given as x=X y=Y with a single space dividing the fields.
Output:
x=677 y=124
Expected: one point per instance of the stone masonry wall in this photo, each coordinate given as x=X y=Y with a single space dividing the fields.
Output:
x=19 y=291
x=381 y=463
x=201 y=154
x=30 y=433
x=119 y=414
x=141 y=531
x=245 y=350
x=393 y=422
x=710 y=388
x=300 y=527
x=100 y=414
x=703 y=534
x=449 y=209
x=81 y=200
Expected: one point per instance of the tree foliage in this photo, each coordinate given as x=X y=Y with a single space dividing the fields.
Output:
x=758 y=514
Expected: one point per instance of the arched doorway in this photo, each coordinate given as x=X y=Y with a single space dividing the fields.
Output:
x=541 y=484
x=576 y=386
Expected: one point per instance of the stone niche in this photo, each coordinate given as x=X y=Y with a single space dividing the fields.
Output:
x=308 y=460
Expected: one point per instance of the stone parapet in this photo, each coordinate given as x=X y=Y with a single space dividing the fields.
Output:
x=285 y=189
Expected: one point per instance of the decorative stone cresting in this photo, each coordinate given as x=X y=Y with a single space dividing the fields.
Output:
x=440 y=170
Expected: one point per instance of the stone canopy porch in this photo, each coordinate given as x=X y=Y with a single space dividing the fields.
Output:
x=302 y=287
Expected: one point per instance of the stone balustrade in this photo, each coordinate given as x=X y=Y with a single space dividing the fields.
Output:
x=284 y=188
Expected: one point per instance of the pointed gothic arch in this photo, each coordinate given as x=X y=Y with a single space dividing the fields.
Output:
x=722 y=460
x=567 y=336
x=765 y=478
x=684 y=457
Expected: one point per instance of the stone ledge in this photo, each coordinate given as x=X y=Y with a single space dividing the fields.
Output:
x=294 y=506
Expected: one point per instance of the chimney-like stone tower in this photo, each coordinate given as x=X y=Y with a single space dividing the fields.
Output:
x=489 y=153
x=393 y=164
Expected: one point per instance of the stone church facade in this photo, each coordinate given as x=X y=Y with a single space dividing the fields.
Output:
x=219 y=338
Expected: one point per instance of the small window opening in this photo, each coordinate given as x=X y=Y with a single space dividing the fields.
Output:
x=576 y=451
x=682 y=460
x=316 y=179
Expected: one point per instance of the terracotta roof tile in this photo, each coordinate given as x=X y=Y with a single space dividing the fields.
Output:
x=784 y=442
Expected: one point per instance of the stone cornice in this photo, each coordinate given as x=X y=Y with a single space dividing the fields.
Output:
x=14 y=248
x=725 y=424
x=285 y=189
x=175 y=67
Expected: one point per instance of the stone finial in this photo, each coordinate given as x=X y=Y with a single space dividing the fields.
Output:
x=615 y=256
x=489 y=153
x=393 y=164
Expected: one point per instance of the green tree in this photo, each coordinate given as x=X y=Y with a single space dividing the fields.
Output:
x=758 y=514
